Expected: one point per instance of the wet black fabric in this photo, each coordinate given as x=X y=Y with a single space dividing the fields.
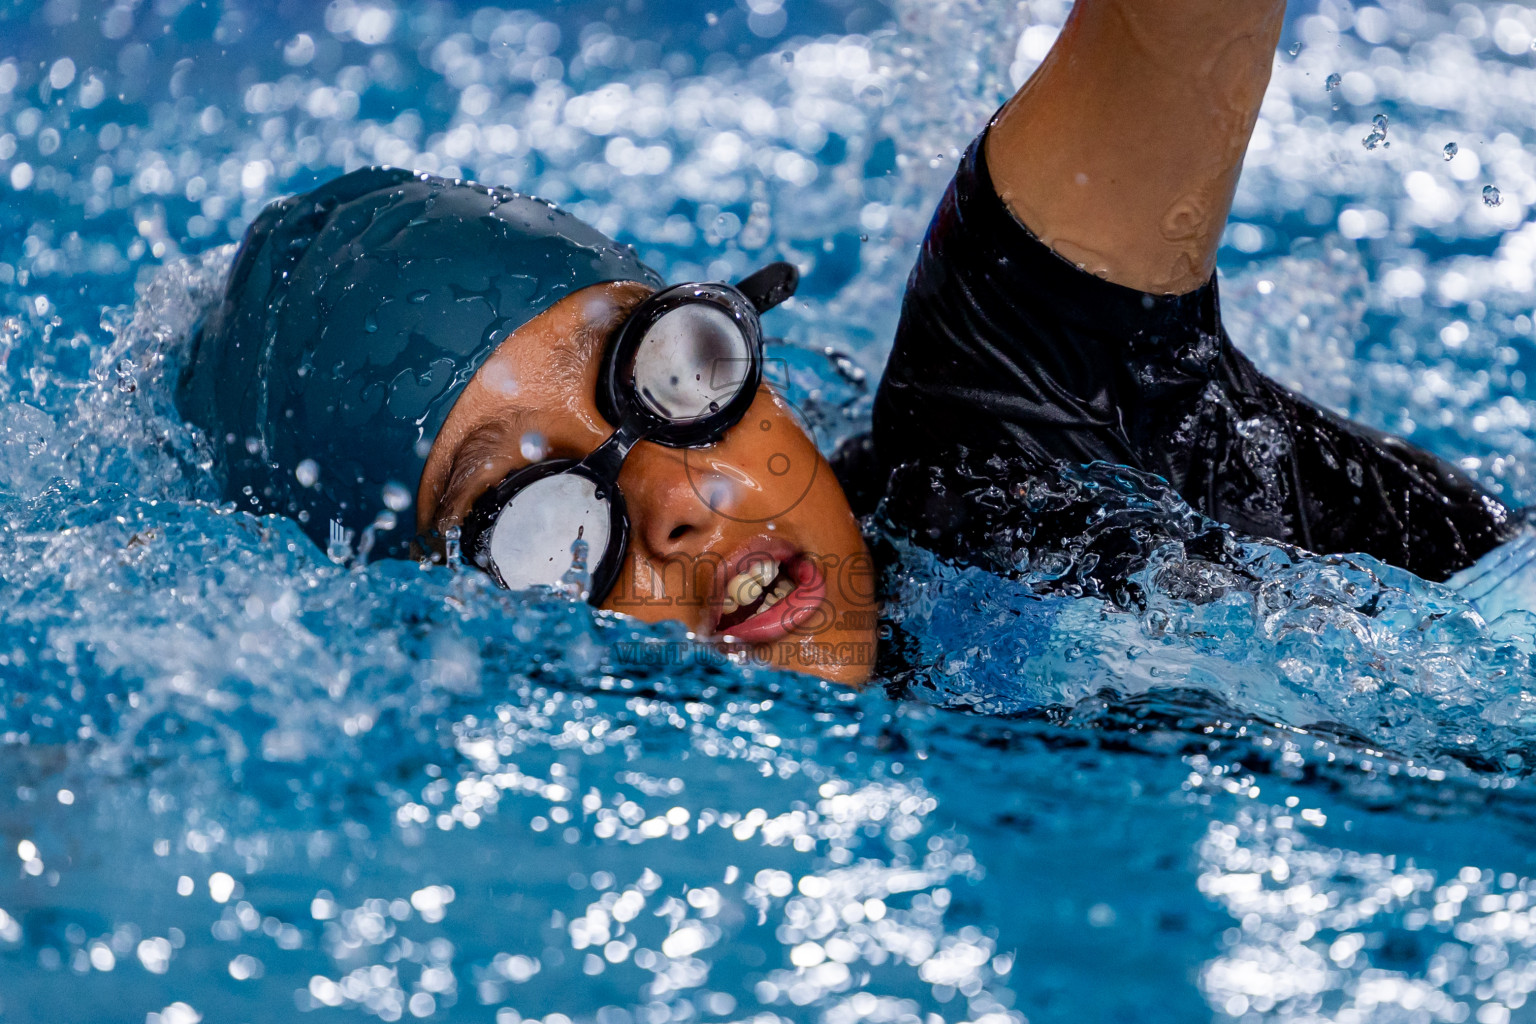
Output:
x=1008 y=356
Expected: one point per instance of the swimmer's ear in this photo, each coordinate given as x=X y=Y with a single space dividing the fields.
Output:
x=770 y=286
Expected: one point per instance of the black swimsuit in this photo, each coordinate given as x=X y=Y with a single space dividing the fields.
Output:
x=1010 y=361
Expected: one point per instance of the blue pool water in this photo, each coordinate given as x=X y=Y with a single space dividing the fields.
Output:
x=241 y=783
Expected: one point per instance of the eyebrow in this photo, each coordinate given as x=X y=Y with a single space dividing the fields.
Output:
x=589 y=341
x=500 y=438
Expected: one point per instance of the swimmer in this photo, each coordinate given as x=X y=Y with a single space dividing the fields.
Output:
x=415 y=367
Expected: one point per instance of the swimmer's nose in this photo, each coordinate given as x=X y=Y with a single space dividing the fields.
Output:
x=666 y=511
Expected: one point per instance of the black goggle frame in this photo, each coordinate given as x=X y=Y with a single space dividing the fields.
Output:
x=620 y=404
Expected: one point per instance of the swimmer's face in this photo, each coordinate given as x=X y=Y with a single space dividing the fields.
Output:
x=761 y=499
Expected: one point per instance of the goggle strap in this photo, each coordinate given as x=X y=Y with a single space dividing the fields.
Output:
x=605 y=462
x=770 y=286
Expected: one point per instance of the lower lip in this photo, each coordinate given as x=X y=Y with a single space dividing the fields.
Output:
x=794 y=611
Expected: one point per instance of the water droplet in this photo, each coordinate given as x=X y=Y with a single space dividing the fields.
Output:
x=1295 y=48
x=385 y=521
x=1378 y=133
x=127 y=383
x=1333 y=82
x=396 y=497
x=1450 y=150
x=1491 y=196
x=846 y=368
x=451 y=545
x=532 y=446
x=307 y=472
x=575 y=581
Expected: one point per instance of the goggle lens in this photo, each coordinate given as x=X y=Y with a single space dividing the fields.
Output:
x=537 y=536
x=691 y=363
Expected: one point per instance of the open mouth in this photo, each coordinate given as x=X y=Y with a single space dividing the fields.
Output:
x=769 y=597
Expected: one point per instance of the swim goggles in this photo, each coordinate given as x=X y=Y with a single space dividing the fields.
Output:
x=680 y=371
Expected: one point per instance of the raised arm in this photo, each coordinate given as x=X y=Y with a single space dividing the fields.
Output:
x=1123 y=149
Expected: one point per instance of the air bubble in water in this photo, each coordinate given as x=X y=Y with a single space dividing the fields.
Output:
x=1378 y=134
x=1295 y=48
x=1491 y=196
x=1450 y=150
x=385 y=521
x=307 y=472
x=532 y=446
x=127 y=383
x=1332 y=82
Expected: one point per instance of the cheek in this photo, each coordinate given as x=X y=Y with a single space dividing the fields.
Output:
x=763 y=470
x=675 y=590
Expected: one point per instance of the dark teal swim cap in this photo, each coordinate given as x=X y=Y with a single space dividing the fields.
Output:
x=353 y=318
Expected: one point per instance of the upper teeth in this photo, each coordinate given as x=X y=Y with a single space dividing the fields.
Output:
x=748 y=585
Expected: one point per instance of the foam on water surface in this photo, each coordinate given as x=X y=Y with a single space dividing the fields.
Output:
x=245 y=783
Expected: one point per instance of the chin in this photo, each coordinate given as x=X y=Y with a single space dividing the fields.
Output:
x=853 y=673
